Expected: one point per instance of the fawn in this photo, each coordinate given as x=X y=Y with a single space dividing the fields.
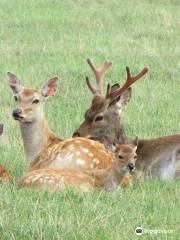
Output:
x=4 y=174
x=42 y=148
x=159 y=157
x=119 y=173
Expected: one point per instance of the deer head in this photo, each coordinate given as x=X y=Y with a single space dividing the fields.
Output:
x=126 y=156
x=103 y=120
x=29 y=112
x=29 y=107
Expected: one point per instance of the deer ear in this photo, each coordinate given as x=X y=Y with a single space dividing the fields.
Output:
x=1 y=129
x=50 y=88
x=135 y=142
x=13 y=82
x=126 y=96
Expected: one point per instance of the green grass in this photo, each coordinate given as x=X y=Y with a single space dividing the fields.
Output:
x=40 y=39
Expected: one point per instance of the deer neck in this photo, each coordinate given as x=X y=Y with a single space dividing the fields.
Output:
x=115 y=132
x=36 y=137
x=119 y=130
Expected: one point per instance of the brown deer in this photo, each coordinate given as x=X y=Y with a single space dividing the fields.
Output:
x=4 y=174
x=119 y=173
x=158 y=157
x=42 y=148
x=103 y=120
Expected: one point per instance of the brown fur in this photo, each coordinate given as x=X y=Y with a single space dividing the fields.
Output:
x=85 y=180
x=4 y=175
x=42 y=148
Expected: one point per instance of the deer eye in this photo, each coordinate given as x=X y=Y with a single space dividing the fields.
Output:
x=98 y=118
x=120 y=157
x=15 y=98
x=36 y=101
x=135 y=157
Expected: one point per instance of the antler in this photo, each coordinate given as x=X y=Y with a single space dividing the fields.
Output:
x=99 y=75
x=130 y=80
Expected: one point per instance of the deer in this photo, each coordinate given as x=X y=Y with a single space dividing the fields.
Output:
x=4 y=174
x=103 y=120
x=157 y=158
x=118 y=174
x=42 y=147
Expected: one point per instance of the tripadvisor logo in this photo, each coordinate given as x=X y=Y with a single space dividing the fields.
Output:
x=139 y=231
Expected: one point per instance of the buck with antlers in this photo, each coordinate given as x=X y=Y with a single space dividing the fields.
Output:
x=103 y=121
x=119 y=173
x=158 y=157
x=4 y=174
x=42 y=148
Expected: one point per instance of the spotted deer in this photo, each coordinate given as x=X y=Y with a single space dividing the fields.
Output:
x=42 y=147
x=4 y=174
x=158 y=157
x=119 y=173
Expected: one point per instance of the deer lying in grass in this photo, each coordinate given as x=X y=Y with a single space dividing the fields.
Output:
x=42 y=148
x=159 y=157
x=103 y=120
x=4 y=174
x=119 y=173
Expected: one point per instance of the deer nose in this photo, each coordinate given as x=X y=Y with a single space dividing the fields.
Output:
x=16 y=113
x=76 y=134
x=131 y=167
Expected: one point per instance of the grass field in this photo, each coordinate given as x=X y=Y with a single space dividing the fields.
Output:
x=40 y=39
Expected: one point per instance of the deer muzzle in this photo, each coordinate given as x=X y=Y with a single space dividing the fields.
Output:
x=131 y=167
x=17 y=114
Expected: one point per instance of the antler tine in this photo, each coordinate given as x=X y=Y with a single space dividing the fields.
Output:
x=130 y=80
x=90 y=86
x=99 y=75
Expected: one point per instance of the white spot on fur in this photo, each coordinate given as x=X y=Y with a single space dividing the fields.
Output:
x=93 y=143
x=34 y=178
x=78 y=153
x=90 y=154
x=96 y=161
x=92 y=166
x=78 y=141
x=45 y=180
x=47 y=177
x=85 y=150
x=80 y=162
x=71 y=147
x=52 y=177
x=51 y=181
x=68 y=157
